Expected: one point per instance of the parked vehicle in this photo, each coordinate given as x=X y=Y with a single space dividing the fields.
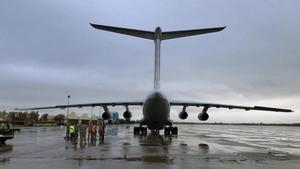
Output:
x=6 y=131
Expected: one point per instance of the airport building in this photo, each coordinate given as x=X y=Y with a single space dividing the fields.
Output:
x=74 y=118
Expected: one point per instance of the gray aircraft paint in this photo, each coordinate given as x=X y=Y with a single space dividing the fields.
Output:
x=156 y=107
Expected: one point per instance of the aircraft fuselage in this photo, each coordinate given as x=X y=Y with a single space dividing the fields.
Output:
x=156 y=111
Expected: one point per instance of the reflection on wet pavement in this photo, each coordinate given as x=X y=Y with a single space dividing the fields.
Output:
x=196 y=146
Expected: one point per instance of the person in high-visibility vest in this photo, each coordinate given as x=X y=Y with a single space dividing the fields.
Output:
x=72 y=132
x=82 y=130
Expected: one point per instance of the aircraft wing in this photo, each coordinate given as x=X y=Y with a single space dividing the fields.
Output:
x=172 y=103
x=103 y=104
x=209 y=105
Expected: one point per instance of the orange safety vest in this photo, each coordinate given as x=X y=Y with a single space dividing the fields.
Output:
x=94 y=128
x=101 y=130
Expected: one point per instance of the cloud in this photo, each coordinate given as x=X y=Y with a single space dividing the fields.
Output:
x=48 y=50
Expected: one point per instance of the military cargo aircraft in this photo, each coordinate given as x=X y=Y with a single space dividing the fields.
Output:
x=156 y=107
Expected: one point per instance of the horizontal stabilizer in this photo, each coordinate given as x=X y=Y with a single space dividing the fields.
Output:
x=184 y=33
x=126 y=31
x=151 y=35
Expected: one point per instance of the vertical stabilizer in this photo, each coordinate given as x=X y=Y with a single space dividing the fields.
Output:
x=157 y=36
x=157 y=40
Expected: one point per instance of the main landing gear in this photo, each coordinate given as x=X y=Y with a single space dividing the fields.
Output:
x=168 y=131
x=171 y=131
x=140 y=130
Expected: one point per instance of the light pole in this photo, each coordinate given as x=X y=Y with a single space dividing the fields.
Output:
x=90 y=122
x=68 y=109
x=67 y=131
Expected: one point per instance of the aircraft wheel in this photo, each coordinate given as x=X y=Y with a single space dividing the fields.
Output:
x=174 y=131
x=143 y=131
x=167 y=131
x=136 y=130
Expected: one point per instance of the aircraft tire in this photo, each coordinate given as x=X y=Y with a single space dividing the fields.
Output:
x=143 y=130
x=167 y=131
x=174 y=131
x=136 y=130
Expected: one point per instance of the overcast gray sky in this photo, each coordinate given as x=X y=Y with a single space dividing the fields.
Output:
x=48 y=50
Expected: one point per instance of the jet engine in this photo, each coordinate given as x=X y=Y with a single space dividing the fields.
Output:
x=183 y=114
x=127 y=114
x=106 y=115
x=203 y=116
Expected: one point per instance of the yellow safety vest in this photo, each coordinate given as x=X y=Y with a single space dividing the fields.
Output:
x=71 y=129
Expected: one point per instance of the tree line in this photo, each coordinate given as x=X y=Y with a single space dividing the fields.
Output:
x=30 y=118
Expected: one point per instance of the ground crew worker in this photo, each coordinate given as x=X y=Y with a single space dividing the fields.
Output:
x=82 y=133
x=93 y=132
x=76 y=133
x=67 y=138
x=101 y=129
x=90 y=132
x=72 y=132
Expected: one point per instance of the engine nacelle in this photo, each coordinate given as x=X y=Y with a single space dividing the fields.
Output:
x=203 y=116
x=183 y=115
x=106 y=115
x=127 y=114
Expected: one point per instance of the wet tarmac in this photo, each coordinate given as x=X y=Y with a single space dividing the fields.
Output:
x=196 y=146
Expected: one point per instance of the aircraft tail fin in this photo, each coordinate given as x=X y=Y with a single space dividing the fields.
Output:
x=157 y=36
x=184 y=33
x=126 y=31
